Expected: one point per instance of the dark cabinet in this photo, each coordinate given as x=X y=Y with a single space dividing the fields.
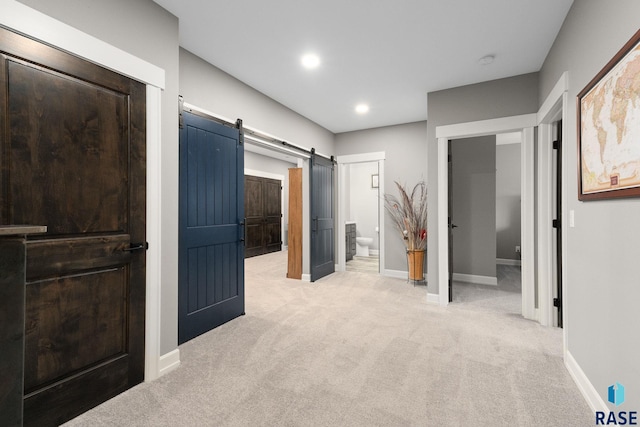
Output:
x=350 y=241
x=263 y=211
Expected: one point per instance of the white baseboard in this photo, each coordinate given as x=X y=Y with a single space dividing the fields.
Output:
x=285 y=247
x=306 y=278
x=398 y=274
x=505 y=261
x=473 y=278
x=375 y=252
x=584 y=385
x=169 y=362
x=433 y=298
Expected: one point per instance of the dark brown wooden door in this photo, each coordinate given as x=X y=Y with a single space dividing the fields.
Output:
x=72 y=144
x=263 y=210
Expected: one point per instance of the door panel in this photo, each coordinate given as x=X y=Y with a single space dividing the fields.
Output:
x=49 y=258
x=273 y=215
x=211 y=254
x=83 y=312
x=254 y=212
x=47 y=153
x=72 y=139
x=263 y=209
x=322 y=217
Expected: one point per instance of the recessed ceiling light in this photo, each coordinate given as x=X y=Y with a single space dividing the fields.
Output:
x=362 y=108
x=486 y=60
x=310 y=61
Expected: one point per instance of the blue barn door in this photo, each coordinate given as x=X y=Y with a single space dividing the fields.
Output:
x=322 y=213
x=211 y=225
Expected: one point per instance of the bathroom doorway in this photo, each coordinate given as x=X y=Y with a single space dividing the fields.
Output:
x=360 y=235
x=362 y=245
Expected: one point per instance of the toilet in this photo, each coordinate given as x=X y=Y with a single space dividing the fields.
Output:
x=362 y=245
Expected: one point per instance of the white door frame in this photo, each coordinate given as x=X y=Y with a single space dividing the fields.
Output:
x=524 y=123
x=20 y=18
x=343 y=161
x=554 y=108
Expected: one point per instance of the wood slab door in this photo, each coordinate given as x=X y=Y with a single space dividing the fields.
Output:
x=263 y=209
x=211 y=225
x=294 y=238
x=72 y=151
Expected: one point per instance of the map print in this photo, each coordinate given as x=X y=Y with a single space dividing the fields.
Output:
x=610 y=128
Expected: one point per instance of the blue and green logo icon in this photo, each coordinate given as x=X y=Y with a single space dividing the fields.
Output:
x=616 y=394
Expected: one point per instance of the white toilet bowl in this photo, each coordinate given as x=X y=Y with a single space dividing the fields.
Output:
x=362 y=245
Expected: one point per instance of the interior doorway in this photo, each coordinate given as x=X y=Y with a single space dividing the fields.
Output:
x=362 y=226
x=537 y=247
x=485 y=224
x=35 y=25
x=550 y=193
x=368 y=181
x=526 y=124
x=557 y=222
x=86 y=182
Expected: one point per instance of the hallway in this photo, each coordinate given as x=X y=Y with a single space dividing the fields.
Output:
x=356 y=349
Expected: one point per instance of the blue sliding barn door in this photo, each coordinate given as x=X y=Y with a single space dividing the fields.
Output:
x=322 y=227
x=211 y=229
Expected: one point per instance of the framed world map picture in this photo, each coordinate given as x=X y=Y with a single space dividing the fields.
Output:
x=609 y=128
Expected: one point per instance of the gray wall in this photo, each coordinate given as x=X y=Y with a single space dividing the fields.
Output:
x=406 y=162
x=494 y=99
x=601 y=266
x=143 y=29
x=474 y=205
x=267 y=164
x=208 y=87
x=363 y=200
x=508 y=193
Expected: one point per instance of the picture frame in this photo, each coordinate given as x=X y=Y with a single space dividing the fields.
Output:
x=608 y=111
x=374 y=181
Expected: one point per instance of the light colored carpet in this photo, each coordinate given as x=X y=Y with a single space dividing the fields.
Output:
x=356 y=349
x=363 y=264
x=504 y=298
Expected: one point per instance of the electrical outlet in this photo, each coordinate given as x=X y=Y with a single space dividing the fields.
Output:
x=518 y=249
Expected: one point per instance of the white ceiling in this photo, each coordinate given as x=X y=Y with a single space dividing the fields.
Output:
x=386 y=53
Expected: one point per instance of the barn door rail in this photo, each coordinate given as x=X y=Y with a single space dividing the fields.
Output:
x=254 y=136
